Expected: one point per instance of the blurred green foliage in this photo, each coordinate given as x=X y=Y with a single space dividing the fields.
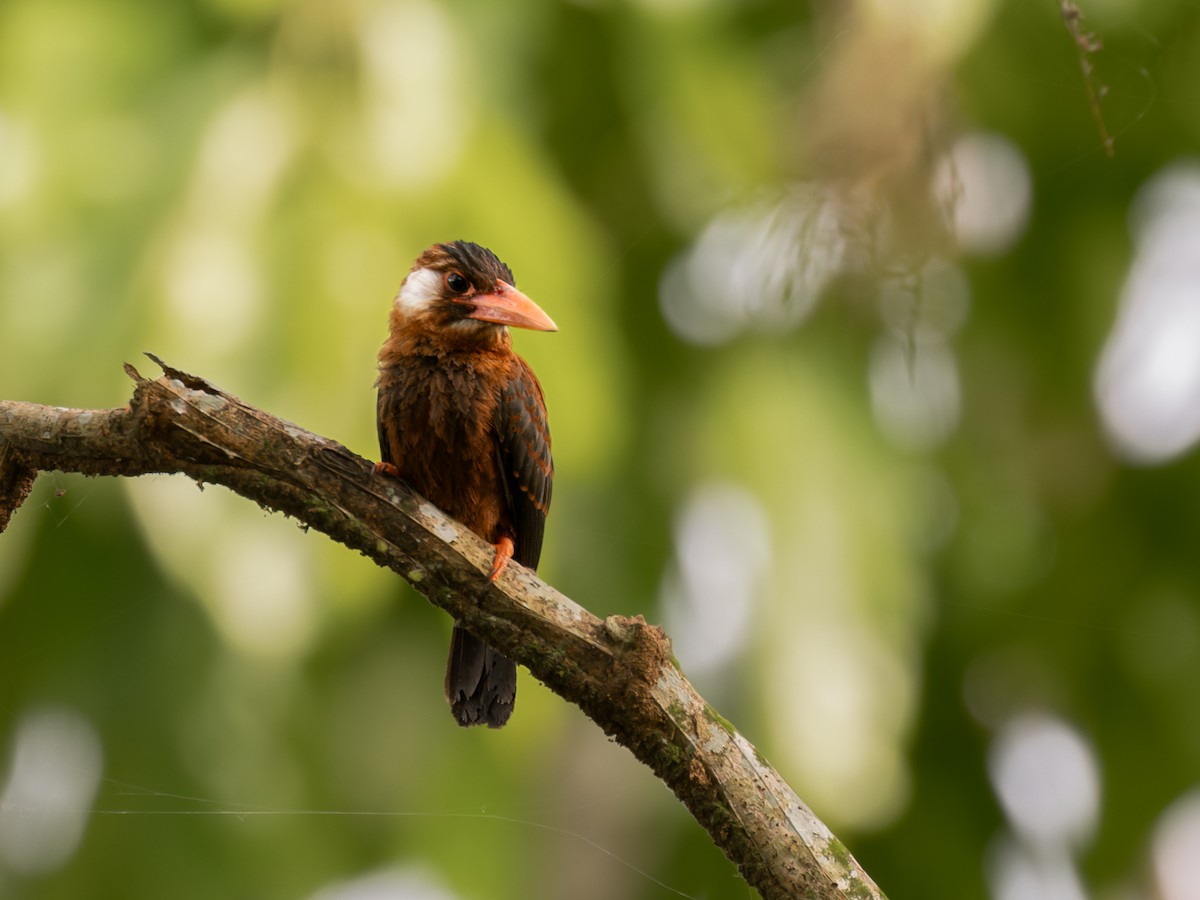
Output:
x=943 y=540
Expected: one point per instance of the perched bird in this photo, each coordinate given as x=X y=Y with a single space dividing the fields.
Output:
x=462 y=420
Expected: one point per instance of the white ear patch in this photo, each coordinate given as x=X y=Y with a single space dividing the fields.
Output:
x=420 y=289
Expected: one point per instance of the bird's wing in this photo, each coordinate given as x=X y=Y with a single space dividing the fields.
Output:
x=385 y=444
x=383 y=417
x=523 y=450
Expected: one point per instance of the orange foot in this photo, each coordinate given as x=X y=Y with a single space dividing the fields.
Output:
x=504 y=552
x=386 y=468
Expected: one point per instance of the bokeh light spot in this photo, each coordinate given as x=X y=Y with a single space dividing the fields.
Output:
x=415 y=118
x=245 y=152
x=1017 y=872
x=985 y=185
x=214 y=289
x=1147 y=383
x=56 y=766
x=387 y=884
x=263 y=601
x=1047 y=780
x=1176 y=849
x=20 y=161
x=761 y=267
x=914 y=392
x=722 y=549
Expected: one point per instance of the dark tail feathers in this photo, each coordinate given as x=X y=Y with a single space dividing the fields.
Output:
x=481 y=684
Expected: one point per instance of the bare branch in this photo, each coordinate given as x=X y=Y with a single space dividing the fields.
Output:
x=619 y=671
x=1087 y=44
x=16 y=481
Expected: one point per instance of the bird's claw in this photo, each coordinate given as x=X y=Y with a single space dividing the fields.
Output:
x=504 y=552
x=385 y=468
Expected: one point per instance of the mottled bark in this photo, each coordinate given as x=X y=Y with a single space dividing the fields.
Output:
x=617 y=670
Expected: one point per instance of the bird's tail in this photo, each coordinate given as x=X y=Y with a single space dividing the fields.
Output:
x=481 y=684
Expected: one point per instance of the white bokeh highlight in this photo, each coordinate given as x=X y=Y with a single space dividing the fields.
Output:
x=916 y=394
x=55 y=769
x=986 y=188
x=397 y=883
x=1147 y=382
x=1019 y=872
x=722 y=555
x=1047 y=780
x=760 y=267
x=1175 y=849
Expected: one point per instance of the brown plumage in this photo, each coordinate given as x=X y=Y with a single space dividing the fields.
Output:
x=462 y=420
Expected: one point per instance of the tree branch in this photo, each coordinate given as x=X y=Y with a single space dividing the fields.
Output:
x=619 y=671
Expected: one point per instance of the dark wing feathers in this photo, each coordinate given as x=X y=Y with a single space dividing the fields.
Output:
x=523 y=447
x=385 y=445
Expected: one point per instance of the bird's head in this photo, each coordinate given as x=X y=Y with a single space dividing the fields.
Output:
x=463 y=293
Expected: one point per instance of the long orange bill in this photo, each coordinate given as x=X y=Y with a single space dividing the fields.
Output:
x=508 y=306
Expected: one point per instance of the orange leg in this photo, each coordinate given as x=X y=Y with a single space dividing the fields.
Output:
x=504 y=552
x=386 y=468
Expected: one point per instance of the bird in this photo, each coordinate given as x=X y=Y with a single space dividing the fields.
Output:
x=462 y=420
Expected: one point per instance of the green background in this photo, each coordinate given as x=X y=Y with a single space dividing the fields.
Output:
x=896 y=593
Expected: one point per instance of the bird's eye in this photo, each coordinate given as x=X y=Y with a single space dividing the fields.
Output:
x=457 y=284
